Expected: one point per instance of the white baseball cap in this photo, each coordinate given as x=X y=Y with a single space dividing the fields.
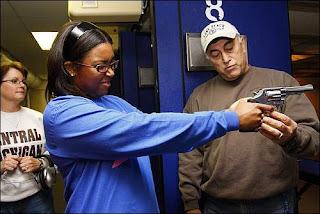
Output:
x=215 y=30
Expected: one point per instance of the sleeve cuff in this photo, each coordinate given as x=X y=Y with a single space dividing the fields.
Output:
x=232 y=119
x=291 y=145
x=191 y=205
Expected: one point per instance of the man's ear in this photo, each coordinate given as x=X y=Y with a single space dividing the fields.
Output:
x=243 y=42
x=70 y=68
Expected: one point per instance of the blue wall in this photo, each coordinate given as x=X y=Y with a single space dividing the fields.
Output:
x=136 y=51
x=266 y=25
x=145 y=59
x=129 y=67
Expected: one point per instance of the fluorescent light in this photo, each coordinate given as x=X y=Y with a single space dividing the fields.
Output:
x=45 y=39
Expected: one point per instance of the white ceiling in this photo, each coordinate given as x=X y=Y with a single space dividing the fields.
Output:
x=19 y=18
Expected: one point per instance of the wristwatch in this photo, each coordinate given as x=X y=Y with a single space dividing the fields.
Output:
x=43 y=163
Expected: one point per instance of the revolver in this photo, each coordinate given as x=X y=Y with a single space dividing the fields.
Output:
x=277 y=95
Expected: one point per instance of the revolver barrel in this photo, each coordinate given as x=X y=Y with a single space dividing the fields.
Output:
x=277 y=95
x=298 y=89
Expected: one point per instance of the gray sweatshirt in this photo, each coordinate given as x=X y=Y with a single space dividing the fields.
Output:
x=248 y=165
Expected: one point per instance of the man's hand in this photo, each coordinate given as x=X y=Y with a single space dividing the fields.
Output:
x=278 y=127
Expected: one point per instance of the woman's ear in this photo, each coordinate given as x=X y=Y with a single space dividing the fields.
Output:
x=70 y=68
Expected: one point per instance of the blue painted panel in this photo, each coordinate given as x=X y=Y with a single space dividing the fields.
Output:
x=129 y=67
x=143 y=49
x=147 y=100
x=172 y=196
x=136 y=51
x=169 y=56
x=170 y=87
x=145 y=59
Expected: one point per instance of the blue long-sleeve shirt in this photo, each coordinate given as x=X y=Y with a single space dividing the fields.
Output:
x=85 y=137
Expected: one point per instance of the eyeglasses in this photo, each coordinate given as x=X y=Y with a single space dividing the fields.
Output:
x=102 y=68
x=16 y=81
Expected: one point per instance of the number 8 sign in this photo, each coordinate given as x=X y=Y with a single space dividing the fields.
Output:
x=214 y=7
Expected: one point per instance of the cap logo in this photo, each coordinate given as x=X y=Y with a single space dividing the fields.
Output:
x=213 y=29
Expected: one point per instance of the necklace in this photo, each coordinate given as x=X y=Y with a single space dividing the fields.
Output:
x=10 y=120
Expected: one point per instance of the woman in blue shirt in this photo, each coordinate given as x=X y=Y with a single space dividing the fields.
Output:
x=100 y=142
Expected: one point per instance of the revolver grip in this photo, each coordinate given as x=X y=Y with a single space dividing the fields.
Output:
x=258 y=100
x=252 y=100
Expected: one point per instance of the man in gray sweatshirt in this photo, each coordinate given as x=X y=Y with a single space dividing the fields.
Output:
x=246 y=172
